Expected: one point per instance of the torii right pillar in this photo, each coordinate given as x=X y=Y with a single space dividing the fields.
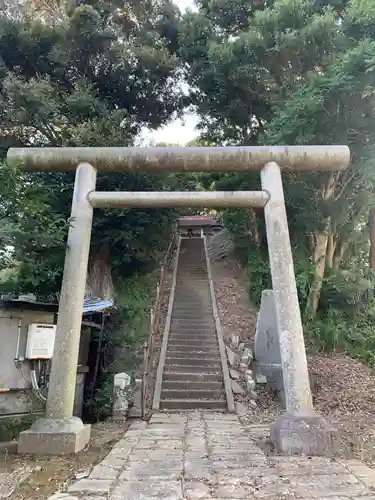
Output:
x=300 y=430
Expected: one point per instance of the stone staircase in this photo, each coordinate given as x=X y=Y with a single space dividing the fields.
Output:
x=192 y=375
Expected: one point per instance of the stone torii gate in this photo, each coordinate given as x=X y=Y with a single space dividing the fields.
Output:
x=300 y=430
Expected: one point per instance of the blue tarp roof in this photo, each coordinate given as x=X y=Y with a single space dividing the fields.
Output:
x=97 y=305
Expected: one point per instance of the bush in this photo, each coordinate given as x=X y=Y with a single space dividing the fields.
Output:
x=122 y=340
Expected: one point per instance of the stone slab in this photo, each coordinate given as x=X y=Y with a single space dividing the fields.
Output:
x=169 y=490
x=267 y=346
x=101 y=471
x=54 y=437
x=299 y=435
x=93 y=486
x=62 y=496
x=196 y=490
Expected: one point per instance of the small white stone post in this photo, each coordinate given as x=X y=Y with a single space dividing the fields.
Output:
x=300 y=430
x=60 y=432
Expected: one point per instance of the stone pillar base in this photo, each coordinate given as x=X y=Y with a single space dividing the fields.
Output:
x=303 y=435
x=54 y=437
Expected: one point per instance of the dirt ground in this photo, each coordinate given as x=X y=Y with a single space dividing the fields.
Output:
x=344 y=388
x=49 y=474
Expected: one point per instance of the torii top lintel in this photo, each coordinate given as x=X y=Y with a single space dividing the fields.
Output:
x=181 y=159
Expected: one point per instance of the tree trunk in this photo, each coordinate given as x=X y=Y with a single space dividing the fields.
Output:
x=99 y=283
x=320 y=264
x=331 y=245
x=341 y=248
x=372 y=239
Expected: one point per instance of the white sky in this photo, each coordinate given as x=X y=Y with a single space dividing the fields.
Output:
x=177 y=131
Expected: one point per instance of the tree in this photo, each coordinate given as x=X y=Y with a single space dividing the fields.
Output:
x=93 y=77
x=291 y=72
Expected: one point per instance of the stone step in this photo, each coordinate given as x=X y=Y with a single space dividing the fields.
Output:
x=199 y=281
x=194 y=332
x=182 y=385
x=191 y=404
x=193 y=369
x=202 y=362
x=209 y=336
x=188 y=287
x=186 y=350
x=187 y=305
x=191 y=350
x=189 y=324
x=197 y=309
x=218 y=394
x=180 y=345
x=183 y=299
x=193 y=316
x=187 y=268
x=200 y=378
x=194 y=355
x=201 y=298
x=190 y=276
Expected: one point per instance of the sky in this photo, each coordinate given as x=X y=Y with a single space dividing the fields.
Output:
x=178 y=131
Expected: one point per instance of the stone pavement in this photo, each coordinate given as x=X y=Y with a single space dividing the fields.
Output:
x=212 y=456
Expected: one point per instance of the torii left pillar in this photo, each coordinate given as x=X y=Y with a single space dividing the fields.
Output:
x=61 y=433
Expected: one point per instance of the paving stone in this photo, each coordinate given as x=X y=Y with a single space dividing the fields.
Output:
x=219 y=465
x=139 y=425
x=232 y=491
x=101 y=471
x=93 y=497
x=364 y=473
x=144 y=471
x=170 y=490
x=304 y=467
x=326 y=481
x=114 y=461
x=208 y=456
x=320 y=492
x=241 y=475
x=133 y=434
x=197 y=470
x=61 y=496
x=93 y=486
x=196 y=490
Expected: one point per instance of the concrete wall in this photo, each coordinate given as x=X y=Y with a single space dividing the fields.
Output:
x=12 y=377
x=16 y=377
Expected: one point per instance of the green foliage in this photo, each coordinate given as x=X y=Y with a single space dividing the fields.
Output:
x=12 y=426
x=94 y=76
x=296 y=72
x=122 y=340
x=259 y=277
